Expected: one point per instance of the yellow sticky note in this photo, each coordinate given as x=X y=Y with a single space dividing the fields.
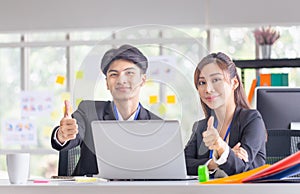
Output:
x=171 y=99
x=149 y=82
x=162 y=109
x=60 y=79
x=47 y=131
x=78 y=101
x=55 y=115
x=79 y=74
x=86 y=179
x=65 y=96
x=153 y=99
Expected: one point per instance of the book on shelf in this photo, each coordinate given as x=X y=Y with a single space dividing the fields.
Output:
x=268 y=79
x=265 y=79
x=273 y=79
x=279 y=79
x=252 y=90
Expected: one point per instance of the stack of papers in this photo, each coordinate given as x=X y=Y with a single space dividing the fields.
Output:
x=278 y=172
x=79 y=179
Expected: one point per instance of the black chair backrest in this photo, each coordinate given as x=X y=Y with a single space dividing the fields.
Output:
x=67 y=161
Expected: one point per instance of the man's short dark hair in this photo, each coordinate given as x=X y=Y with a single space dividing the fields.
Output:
x=126 y=52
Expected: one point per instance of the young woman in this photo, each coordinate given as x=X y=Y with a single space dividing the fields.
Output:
x=231 y=139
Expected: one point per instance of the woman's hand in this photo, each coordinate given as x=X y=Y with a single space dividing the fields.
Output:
x=212 y=165
x=212 y=139
x=240 y=152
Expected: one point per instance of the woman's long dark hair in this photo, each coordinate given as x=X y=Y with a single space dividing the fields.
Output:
x=227 y=65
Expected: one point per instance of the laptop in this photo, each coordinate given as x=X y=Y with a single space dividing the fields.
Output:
x=143 y=149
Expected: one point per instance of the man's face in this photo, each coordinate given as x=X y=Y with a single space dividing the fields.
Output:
x=124 y=80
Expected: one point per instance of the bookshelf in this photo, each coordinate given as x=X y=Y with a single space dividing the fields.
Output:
x=265 y=63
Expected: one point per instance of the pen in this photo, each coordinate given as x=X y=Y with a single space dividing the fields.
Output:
x=63 y=178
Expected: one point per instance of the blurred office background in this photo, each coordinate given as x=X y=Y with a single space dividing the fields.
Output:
x=47 y=50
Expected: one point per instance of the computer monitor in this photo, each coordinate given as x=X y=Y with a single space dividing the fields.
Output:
x=279 y=106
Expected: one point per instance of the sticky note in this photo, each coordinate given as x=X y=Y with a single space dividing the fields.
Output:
x=85 y=179
x=149 y=82
x=162 y=109
x=65 y=96
x=79 y=74
x=55 y=115
x=47 y=131
x=153 y=99
x=60 y=79
x=41 y=181
x=78 y=100
x=171 y=99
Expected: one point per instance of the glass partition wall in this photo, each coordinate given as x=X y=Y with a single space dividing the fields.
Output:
x=41 y=69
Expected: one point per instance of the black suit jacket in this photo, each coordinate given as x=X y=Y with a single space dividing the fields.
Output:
x=247 y=128
x=87 y=112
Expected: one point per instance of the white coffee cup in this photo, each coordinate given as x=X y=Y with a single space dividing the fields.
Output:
x=18 y=167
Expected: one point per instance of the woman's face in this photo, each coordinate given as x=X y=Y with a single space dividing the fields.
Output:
x=215 y=87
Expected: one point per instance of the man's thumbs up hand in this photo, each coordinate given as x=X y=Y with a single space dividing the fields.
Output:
x=67 y=111
x=68 y=128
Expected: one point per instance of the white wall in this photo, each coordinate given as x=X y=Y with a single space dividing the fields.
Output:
x=65 y=14
x=249 y=12
x=26 y=15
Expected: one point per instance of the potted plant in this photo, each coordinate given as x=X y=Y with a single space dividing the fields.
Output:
x=265 y=38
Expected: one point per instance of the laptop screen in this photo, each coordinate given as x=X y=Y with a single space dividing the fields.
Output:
x=149 y=149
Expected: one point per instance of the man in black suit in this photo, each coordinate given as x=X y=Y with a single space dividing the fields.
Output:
x=125 y=69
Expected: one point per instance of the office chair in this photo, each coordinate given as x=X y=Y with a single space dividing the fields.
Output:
x=281 y=143
x=67 y=161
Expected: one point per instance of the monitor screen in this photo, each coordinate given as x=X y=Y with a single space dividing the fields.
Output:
x=279 y=106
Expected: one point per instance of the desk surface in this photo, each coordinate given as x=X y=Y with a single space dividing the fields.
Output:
x=145 y=187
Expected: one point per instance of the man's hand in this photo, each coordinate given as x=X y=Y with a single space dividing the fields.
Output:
x=68 y=128
x=240 y=152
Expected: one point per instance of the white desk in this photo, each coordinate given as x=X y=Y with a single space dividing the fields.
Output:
x=144 y=187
